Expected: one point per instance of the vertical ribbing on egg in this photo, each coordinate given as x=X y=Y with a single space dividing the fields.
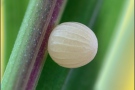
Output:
x=72 y=45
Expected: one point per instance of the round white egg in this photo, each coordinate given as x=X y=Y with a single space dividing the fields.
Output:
x=72 y=44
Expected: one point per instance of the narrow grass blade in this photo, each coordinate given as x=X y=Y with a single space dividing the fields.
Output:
x=26 y=60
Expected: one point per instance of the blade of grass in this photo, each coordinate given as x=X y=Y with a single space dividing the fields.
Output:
x=43 y=49
x=14 y=11
x=26 y=60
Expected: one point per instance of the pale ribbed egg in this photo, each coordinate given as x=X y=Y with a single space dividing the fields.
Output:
x=72 y=45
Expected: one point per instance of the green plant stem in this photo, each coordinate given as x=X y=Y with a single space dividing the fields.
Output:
x=26 y=60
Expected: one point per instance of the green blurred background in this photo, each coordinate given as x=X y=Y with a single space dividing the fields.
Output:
x=113 y=23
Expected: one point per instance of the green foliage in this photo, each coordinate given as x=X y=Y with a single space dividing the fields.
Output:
x=100 y=15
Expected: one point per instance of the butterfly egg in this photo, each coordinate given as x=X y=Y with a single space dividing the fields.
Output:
x=72 y=45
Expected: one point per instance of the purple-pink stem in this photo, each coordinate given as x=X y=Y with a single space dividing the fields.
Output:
x=38 y=65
